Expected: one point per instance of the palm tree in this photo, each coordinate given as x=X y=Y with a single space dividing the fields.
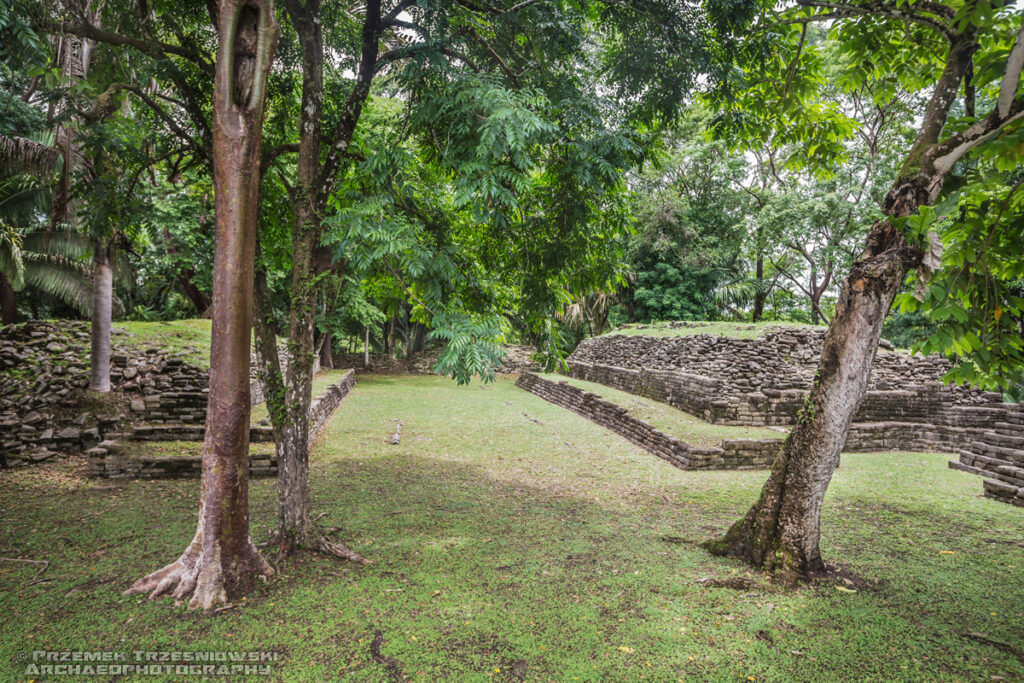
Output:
x=736 y=289
x=588 y=314
x=43 y=260
x=50 y=261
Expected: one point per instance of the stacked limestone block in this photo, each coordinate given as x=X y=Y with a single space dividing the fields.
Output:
x=44 y=371
x=109 y=460
x=998 y=455
x=783 y=358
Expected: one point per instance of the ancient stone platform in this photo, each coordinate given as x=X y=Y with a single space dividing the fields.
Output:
x=729 y=454
x=998 y=455
x=763 y=381
x=44 y=408
x=110 y=460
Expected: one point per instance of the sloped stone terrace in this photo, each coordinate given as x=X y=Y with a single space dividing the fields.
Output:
x=998 y=455
x=680 y=439
x=763 y=381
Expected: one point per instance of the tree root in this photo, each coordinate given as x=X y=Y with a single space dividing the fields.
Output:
x=390 y=665
x=200 y=576
x=316 y=540
x=35 y=578
x=337 y=549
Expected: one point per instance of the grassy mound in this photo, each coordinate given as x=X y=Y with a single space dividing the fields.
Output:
x=190 y=337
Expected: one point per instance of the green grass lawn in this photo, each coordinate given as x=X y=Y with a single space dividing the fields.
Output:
x=667 y=419
x=191 y=337
x=724 y=329
x=515 y=540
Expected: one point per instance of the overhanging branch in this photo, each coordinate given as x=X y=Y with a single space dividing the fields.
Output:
x=843 y=10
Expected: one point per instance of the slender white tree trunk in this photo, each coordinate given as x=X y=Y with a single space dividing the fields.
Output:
x=102 y=295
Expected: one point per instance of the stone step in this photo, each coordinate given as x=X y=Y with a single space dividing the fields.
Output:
x=958 y=465
x=189 y=432
x=1010 y=474
x=1015 y=441
x=1015 y=418
x=982 y=461
x=982 y=448
x=1004 y=492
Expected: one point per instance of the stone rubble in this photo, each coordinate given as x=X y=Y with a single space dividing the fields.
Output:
x=44 y=374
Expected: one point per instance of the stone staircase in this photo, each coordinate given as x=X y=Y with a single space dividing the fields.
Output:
x=998 y=455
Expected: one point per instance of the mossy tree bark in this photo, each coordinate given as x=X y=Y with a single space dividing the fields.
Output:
x=291 y=387
x=781 y=532
x=221 y=559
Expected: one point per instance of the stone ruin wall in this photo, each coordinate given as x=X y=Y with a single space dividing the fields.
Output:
x=109 y=460
x=762 y=382
x=729 y=454
x=998 y=455
x=44 y=368
x=44 y=371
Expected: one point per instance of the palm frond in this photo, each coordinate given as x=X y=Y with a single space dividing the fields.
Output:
x=65 y=243
x=11 y=263
x=738 y=291
x=63 y=279
x=66 y=280
x=22 y=155
x=23 y=200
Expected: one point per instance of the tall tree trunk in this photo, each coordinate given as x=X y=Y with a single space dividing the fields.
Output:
x=327 y=353
x=781 y=532
x=366 y=347
x=816 y=314
x=811 y=292
x=219 y=562
x=8 y=302
x=761 y=293
x=296 y=527
x=295 y=522
x=184 y=277
x=102 y=300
